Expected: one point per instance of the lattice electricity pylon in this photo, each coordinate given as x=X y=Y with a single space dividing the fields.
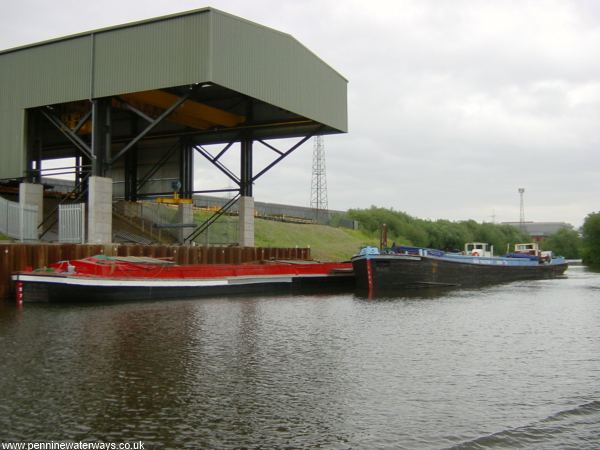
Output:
x=318 y=190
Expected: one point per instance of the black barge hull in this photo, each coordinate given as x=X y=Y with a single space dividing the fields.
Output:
x=63 y=289
x=391 y=272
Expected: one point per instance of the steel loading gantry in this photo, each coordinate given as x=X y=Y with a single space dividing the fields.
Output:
x=134 y=102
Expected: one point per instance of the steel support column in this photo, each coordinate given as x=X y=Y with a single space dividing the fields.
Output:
x=101 y=136
x=246 y=168
x=131 y=163
x=130 y=175
x=186 y=169
x=34 y=148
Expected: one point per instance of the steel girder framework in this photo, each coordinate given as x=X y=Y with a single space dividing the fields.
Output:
x=96 y=154
x=246 y=178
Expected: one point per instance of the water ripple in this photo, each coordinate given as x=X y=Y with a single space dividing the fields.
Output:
x=577 y=427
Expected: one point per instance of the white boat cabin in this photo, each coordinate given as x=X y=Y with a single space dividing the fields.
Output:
x=531 y=248
x=479 y=249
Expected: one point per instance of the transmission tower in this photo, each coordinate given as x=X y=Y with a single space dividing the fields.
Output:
x=522 y=211
x=318 y=189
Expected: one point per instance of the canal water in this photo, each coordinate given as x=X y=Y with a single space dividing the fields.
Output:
x=516 y=365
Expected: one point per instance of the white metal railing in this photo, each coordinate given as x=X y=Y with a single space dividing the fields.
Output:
x=29 y=222
x=155 y=213
x=13 y=228
x=71 y=223
x=18 y=221
x=158 y=213
x=3 y=216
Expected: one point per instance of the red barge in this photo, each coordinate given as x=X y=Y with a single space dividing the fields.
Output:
x=103 y=278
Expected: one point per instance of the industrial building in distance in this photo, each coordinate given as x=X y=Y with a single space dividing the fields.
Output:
x=539 y=230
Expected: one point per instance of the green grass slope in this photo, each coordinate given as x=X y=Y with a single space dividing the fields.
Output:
x=326 y=243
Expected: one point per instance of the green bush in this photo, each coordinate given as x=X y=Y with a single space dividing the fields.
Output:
x=565 y=242
x=591 y=240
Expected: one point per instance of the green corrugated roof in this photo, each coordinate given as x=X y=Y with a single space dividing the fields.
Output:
x=154 y=20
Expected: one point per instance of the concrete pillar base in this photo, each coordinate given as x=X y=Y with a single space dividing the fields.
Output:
x=246 y=230
x=99 y=210
x=33 y=194
x=185 y=215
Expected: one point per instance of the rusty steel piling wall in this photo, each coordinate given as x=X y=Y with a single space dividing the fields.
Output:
x=16 y=257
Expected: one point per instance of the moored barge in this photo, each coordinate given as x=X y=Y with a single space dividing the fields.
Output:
x=413 y=267
x=102 y=278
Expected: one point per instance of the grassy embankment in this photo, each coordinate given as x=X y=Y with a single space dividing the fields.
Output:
x=326 y=243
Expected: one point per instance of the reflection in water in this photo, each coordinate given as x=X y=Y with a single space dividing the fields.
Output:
x=506 y=365
x=413 y=293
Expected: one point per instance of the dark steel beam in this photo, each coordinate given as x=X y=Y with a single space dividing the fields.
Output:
x=130 y=174
x=284 y=155
x=217 y=164
x=212 y=191
x=134 y=110
x=66 y=131
x=162 y=161
x=246 y=168
x=82 y=121
x=153 y=124
x=222 y=152
x=33 y=148
x=186 y=168
x=155 y=194
x=209 y=134
x=101 y=135
x=131 y=166
x=266 y=144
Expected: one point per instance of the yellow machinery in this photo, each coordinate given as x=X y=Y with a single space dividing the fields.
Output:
x=175 y=200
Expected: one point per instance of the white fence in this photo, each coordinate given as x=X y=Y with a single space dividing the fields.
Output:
x=71 y=223
x=18 y=221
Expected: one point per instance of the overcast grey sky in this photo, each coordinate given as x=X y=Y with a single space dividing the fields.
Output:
x=453 y=105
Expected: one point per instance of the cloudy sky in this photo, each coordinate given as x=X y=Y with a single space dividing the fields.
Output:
x=453 y=105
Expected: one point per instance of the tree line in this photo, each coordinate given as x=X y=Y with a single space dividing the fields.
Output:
x=590 y=232
x=404 y=229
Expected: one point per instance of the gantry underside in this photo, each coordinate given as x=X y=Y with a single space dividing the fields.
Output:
x=130 y=137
